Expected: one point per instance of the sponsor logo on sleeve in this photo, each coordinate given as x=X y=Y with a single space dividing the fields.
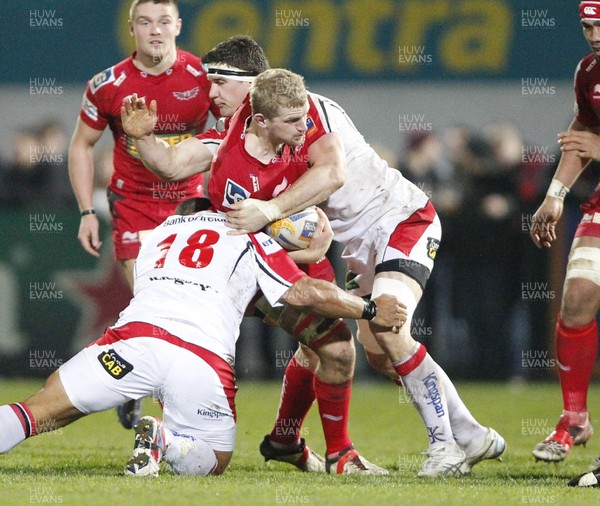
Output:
x=311 y=128
x=268 y=244
x=104 y=77
x=114 y=364
x=90 y=110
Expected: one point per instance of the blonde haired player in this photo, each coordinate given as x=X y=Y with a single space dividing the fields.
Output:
x=391 y=233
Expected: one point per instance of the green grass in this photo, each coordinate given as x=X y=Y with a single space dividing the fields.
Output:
x=82 y=463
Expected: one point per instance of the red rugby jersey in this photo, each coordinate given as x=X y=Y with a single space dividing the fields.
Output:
x=235 y=175
x=181 y=93
x=587 y=92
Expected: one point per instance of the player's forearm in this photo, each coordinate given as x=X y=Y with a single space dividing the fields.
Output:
x=81 y=174
x=173 y=163
x=572 y=163
x=313 y=187
x=158 y=156
x=324 y=298
x=570 y=168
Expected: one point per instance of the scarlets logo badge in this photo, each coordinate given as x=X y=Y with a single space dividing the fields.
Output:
x=187 y=95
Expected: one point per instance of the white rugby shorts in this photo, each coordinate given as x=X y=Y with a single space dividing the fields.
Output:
x=394 y=243
x=195 y=386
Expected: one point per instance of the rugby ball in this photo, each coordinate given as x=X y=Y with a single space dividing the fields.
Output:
x=295 y=231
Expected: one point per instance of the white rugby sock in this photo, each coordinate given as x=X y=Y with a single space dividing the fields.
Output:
x=423 y=383
x=189 y=455
x=464 y=426
x=16 y=424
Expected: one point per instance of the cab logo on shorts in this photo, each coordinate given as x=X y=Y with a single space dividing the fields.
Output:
x=432 y=247
x=114 y=364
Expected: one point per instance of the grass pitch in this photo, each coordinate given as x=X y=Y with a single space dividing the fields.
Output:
x=82 y=464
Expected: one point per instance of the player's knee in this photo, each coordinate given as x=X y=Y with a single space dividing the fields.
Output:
x=223 y=459
x=579 y=303
x=307 y=358
x=200 y=460
x=339 y=355
x=50 y=406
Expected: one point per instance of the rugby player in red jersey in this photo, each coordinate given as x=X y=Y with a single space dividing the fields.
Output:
x=138 y=199
x=576 y=330
x=156 y=70
x=373 y=210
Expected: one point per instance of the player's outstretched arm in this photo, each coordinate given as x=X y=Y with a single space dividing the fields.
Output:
x=171 y=163
x=578 y=145
x=329 y=300
x=81 y=174
x=327 y=174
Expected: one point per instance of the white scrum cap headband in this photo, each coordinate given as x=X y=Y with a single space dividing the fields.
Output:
x=229 y=72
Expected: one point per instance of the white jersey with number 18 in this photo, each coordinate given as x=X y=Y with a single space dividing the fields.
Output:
x=195 y=281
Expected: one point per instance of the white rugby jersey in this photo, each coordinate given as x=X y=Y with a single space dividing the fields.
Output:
x=372 y=188
x=195 y=281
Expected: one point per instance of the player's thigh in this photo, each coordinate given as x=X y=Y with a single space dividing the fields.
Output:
x=51 y=407
x=131 y=219
x=198 y=398
x=581 y=291
x=394 y=244
x=103 y=376
x=412 y=245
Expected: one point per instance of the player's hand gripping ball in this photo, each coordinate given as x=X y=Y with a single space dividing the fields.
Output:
x=295 y=231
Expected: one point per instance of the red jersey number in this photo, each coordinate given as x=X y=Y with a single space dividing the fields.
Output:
x=198 y=253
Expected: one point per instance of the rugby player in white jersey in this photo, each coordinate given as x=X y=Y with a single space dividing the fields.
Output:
x=176 y=341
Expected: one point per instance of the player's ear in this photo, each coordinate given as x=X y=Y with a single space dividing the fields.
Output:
x=130 y=23
x=178 y=27
x=260 y=120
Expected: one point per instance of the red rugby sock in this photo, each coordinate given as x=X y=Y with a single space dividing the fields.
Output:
x=297 y=396
x=576 y=350
x=334 y=405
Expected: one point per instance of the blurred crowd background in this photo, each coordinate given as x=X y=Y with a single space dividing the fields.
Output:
x=480 y=143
